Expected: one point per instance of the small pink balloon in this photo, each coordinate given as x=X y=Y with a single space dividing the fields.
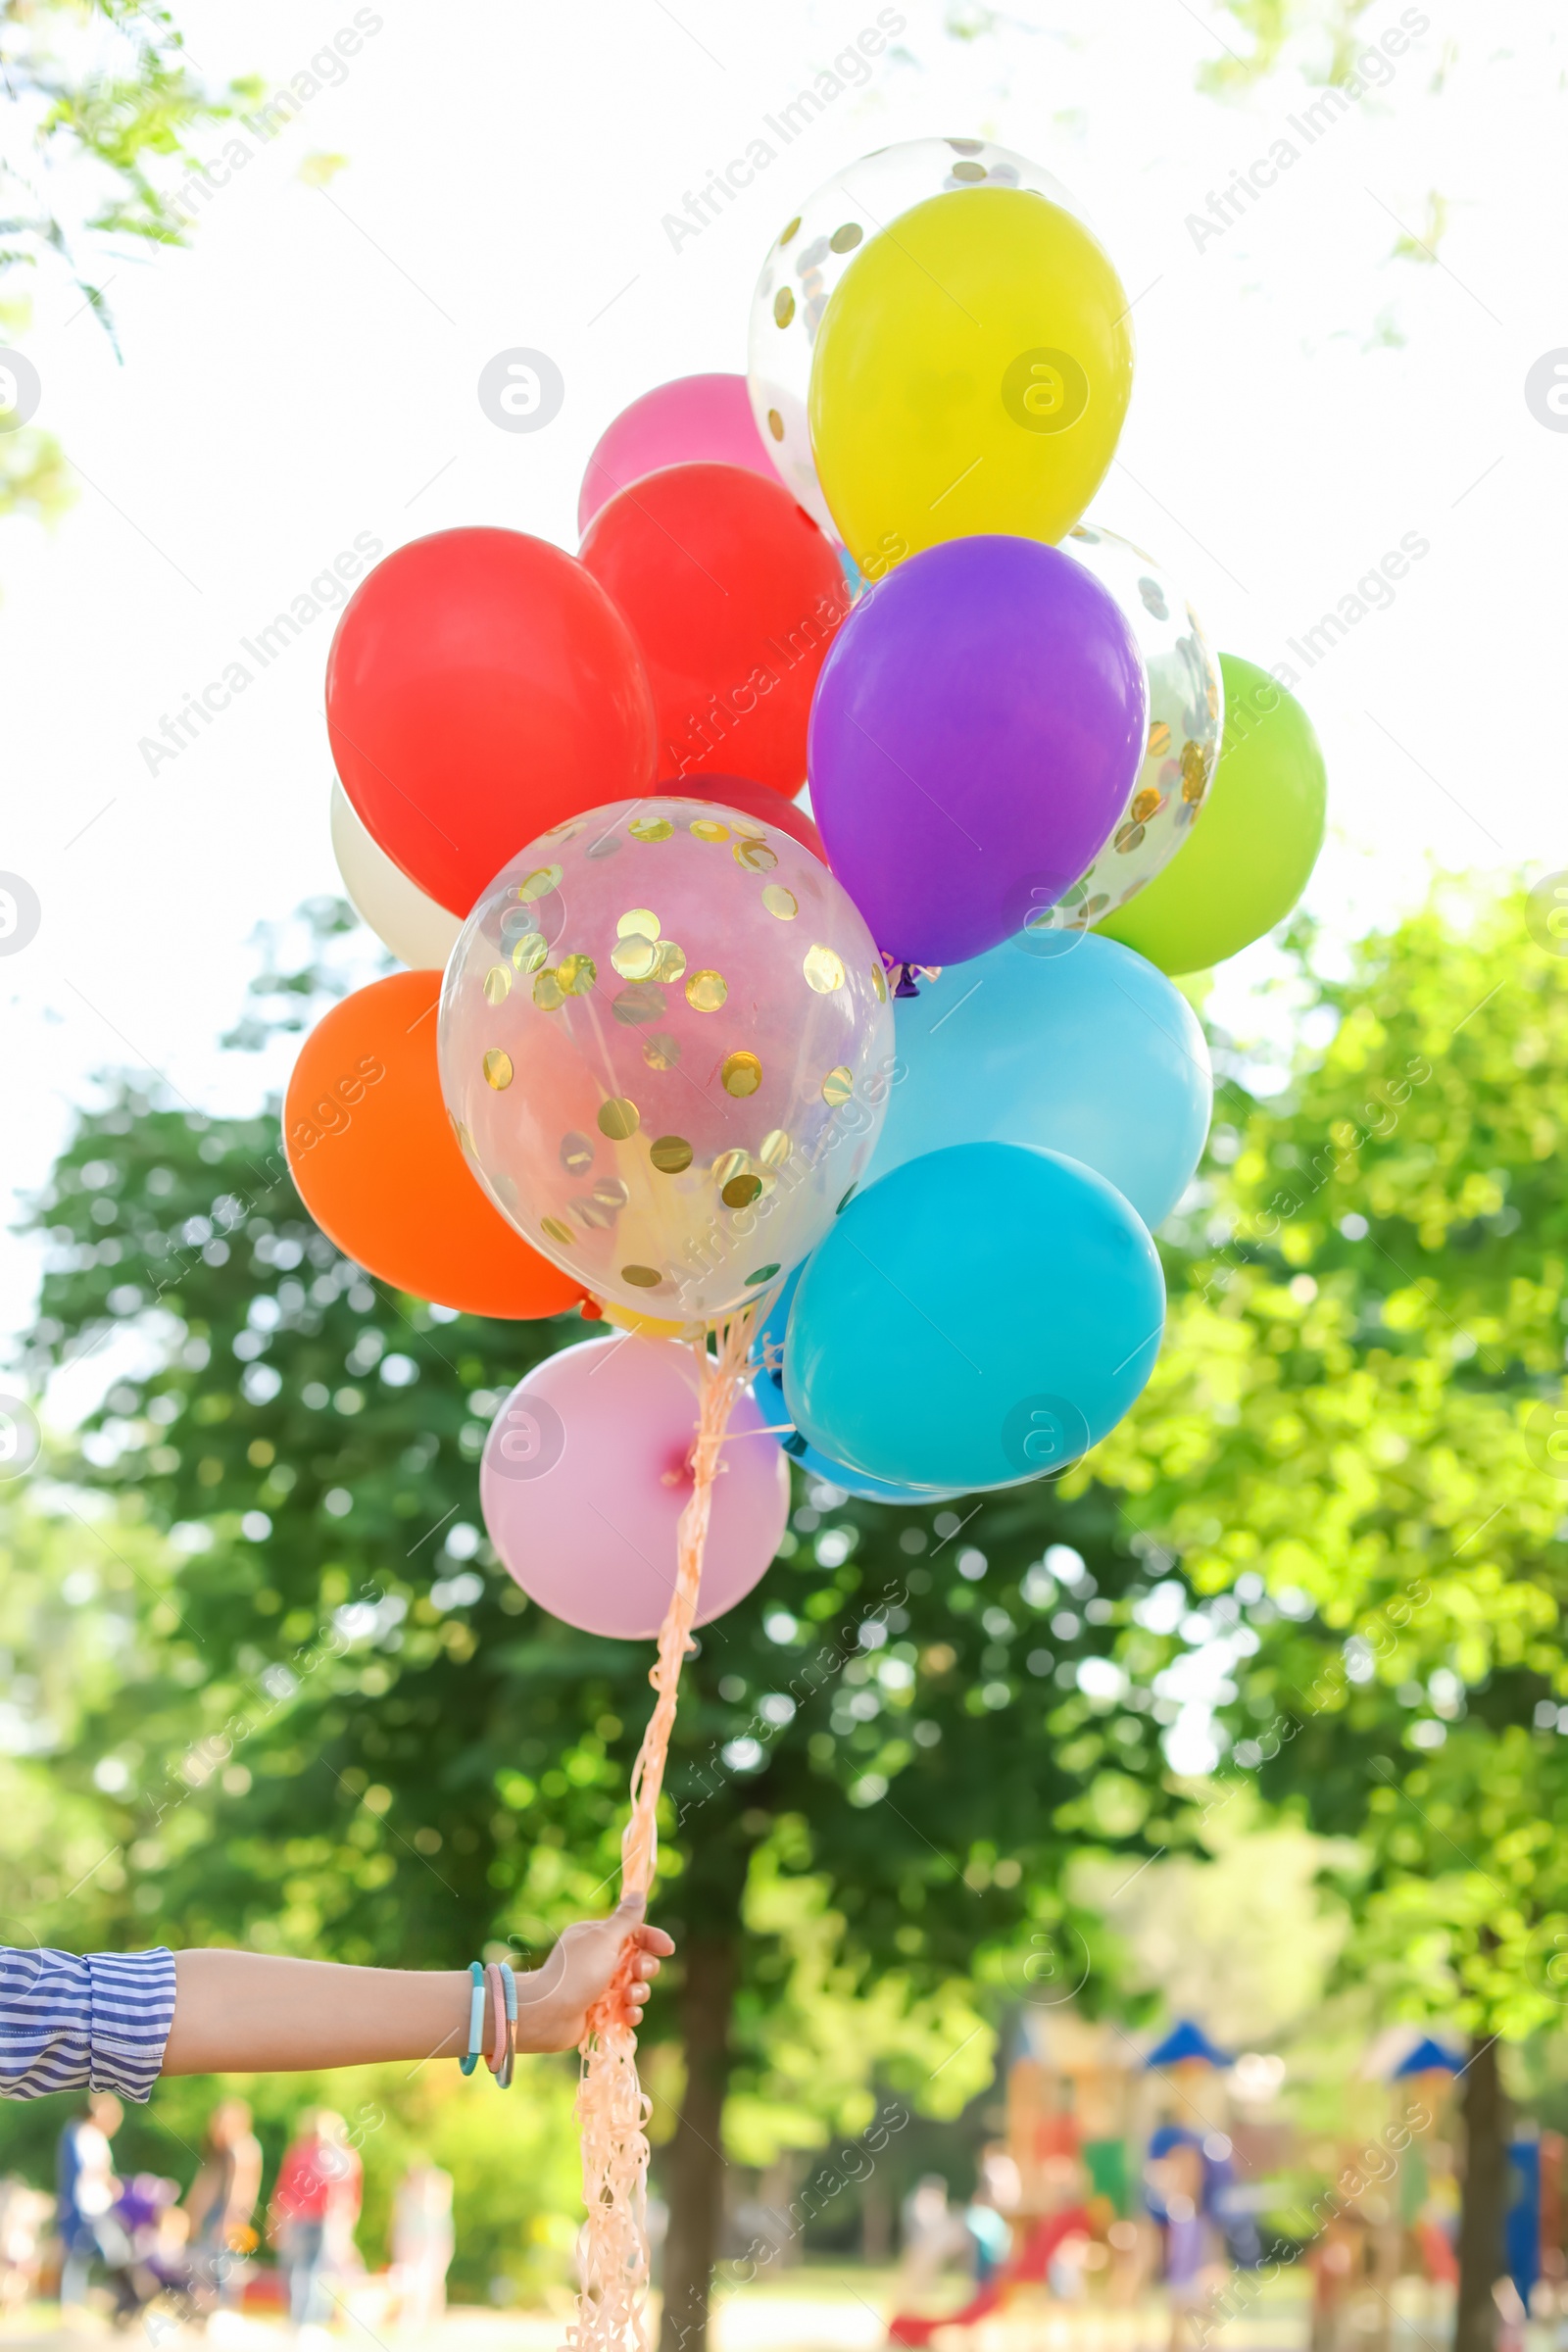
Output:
x=694 y=420
x=587 y=1470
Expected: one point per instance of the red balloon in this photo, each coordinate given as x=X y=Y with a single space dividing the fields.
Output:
x=482 y=687
x=734 y=596
x=754 y=800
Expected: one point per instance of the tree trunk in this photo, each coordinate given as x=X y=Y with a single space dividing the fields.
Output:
x=696 y=2168
x=1486 y=2194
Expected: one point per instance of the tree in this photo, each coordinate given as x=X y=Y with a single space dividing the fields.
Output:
x=1351 y=1446
x=94 y=97
x=354 y=1740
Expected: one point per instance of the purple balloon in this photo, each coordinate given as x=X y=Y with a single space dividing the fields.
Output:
x=977 y=726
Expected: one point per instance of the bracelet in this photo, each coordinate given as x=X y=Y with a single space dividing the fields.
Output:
x=503 y=2006
x=476 y=2018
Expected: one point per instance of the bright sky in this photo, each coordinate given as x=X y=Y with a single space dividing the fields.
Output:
x=308 y=373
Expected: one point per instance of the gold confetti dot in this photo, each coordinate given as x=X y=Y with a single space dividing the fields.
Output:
x=650 y=828
x=706 y=991
x=529 y=952
x=775 y=424
x=636 y=956
x=577 y=1153
x=741 y=1191
x=879 y=984
x=548 y=994
x=555 y=1230
x=671 y=960
x=838 y=1086
x=576 y=974
x=642 y=1278
x=726 y=1165
x=637 y=922
x=844 y=1202
x=776 y=1148
x=619 y=1118
x=823 y=970
x=782 y=902
x=498 y=1068
x=497 y=984
x=1127 y=839
x=671 y=1154
x=741 y=1074
x=783 y=307
x=846 y=239
x=633 y=1005
x=661 y=1052
x=761 y=1274
x=785 y=234
x=968 y=172
x=594 y=1214
x=708 y=828
x=1144 y=803
x=1158 y=739
x=539 y=884
x=465 y=1139
x=1195 y=771
x=610 y=1193
x=753 y=855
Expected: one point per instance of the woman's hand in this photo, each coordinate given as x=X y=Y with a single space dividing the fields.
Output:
x=553 y=2000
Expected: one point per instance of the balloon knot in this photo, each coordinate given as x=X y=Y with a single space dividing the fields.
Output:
x=906 y=987
x=590 y=1311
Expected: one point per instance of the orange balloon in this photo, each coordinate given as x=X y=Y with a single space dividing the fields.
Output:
x=371 y=1150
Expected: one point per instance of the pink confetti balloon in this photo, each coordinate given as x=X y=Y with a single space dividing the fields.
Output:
x=696 y=419
x=586 y=1472
x=665 y=1046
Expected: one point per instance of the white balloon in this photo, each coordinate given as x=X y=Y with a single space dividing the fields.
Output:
x=414 y=927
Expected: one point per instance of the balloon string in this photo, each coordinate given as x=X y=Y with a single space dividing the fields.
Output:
x=613 y=2111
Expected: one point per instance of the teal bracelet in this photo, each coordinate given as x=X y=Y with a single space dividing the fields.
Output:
x=504 y=2079
x=476 y=2018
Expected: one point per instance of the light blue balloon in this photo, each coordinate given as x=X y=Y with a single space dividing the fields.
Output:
x=768 y=1390
x=1060 y=1039
x=982 y=1315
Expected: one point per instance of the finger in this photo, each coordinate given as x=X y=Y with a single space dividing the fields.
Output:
x=653 y=1939
x=631 y=1906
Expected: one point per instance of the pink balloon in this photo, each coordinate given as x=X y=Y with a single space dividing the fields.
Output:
x=695 y=419
x=586 y=1472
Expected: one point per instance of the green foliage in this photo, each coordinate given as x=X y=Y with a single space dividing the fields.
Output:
x=1346 y=1444
x=1325 y=28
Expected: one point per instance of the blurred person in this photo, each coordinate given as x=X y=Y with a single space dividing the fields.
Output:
x=117 y=2020
x=221 y=2201
x=423 y=2243
x=932 y=2234
x=23 y=2211
x=1174 y=2184
x=86 y=2189
x=997 y=2195
x=314 y=2207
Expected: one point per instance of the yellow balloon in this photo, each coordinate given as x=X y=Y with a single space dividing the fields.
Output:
x=972 y=370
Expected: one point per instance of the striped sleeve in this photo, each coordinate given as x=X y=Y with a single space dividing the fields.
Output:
x=93 y=2023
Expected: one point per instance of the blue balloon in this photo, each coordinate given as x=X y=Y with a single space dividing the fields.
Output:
x=1060 y=1039
x=768 y=1390
x=982 y=1315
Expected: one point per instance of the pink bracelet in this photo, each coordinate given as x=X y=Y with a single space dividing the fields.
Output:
x=498 y=2012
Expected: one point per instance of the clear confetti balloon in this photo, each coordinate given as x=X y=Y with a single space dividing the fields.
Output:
x=666 y=1041
x=812 y=252
x=1186 y=720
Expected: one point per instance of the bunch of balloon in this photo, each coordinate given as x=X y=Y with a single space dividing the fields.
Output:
x=793 y=882
x=1045 y=792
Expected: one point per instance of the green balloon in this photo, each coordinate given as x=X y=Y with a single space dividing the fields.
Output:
x=1247 y=860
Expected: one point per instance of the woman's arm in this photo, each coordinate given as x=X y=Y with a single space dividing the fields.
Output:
x=252 y=2012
